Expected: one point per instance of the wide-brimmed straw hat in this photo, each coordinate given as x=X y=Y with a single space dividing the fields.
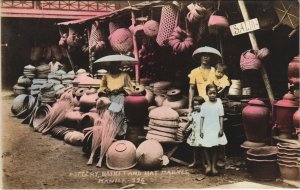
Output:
x=206 y=49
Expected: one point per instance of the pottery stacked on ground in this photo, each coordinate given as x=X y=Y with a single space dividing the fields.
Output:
x=288 y=160
x=262 y=163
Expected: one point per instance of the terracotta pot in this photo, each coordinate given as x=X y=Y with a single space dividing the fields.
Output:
x=296 y=120
x=265 y=170
x=121 y=155
x=255 y=120
x=287 y=158
x=159 y=99
x=136 y=109
x=86 y=102
x=263 y=153
x=290 y=172
x=293 y=70
x=283 y=111
x=180 y=104
x=72 y=119
x=149 y=155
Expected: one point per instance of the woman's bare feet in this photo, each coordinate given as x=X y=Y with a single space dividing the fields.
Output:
x=214 y=171
x=192 y=165
x=208 y=171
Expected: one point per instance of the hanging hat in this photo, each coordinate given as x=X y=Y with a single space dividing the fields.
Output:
x=197 y=53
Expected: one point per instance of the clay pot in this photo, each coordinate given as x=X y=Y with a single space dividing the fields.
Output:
x=263 y=153
x=180 y=104
x=174 y=95
x=283 y=111
x=136 y=109
x=73 y=118
x=86 y=101
x=121 y=155
x=265 y=170
x=296 y=120
x=18 y=90
x=88 y=120
x=290 y=172
x=293 y=70
x=149 y=155
x=255 y=120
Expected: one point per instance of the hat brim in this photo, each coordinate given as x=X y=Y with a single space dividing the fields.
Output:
x=205 y=50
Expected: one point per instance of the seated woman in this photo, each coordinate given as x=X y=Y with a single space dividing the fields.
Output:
x=112 y=85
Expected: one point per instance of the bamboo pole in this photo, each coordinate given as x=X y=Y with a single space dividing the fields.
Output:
x=135 y=51
x=67 y=52
x=255 y=47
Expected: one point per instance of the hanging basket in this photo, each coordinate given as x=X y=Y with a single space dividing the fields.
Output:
x=218 y=20
x=167 y=24
x=151 y=28
x=249 y=60
x=197 y=12
x=96 y=42
x=121 y=40
x=180 y=40
x=113 y=27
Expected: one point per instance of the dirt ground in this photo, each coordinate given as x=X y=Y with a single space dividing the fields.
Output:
x=32 y=160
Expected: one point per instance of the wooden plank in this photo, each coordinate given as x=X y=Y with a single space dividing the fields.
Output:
x=179 y=161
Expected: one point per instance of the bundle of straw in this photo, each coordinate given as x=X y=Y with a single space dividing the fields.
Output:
x=111 y=123
x=96 y=142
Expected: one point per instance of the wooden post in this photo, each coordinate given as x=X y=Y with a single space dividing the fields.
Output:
x=255 y=47
x=67 y=52
x=135 y=51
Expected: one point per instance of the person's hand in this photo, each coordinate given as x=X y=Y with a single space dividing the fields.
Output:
x=221 y=133
x=201 y=134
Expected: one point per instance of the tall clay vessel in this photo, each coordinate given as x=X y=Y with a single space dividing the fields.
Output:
x=255 y=120
x=293 y=70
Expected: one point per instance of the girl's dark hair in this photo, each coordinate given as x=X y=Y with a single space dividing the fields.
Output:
x=209 y=86
x=198 y=99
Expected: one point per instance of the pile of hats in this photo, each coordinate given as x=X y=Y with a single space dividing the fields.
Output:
x=163 y=124
x=42 y=71
x=161 y=87
x=22 y=105
x=60 y=131
x=47 y=93
x=56 y=77
x=35 y=88
x=68 y=78
x=175 y=100
x=29 y=71
x=74 y=137
x=18 y=90
x=59 y=89
x=288 y=158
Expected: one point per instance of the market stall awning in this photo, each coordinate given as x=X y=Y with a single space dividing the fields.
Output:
x=116 y=13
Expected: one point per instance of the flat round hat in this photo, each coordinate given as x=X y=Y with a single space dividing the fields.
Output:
x=206 y=49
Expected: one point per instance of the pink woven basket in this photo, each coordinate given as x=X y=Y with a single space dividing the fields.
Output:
x=121 y=40
x=151 y=28
x=249 y=60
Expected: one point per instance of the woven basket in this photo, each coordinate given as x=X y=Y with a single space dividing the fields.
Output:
x=121 y=40
x=249 y=60
x=113 y=27
x=167 y=24
x=218 y=20
x=180 y=40
x=151 y=28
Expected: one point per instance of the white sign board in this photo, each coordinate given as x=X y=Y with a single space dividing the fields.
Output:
x=244 y=27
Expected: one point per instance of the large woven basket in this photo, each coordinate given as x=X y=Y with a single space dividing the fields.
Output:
x=121 y=40
x=167 y=24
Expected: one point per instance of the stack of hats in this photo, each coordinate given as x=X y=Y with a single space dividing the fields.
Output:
x=56 y=77
x=35 y=88
x=42 y=71
x=29 y=71
x=47 y=93
x=24 y=81
x=19 y=89
x=68 y=78
x=161 y=87
x=163 y=124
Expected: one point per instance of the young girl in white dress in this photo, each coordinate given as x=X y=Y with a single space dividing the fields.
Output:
x=211 y=128
x=194 y=125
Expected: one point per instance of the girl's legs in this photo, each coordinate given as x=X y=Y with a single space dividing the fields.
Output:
x=214 y=160
x=193 y=164
x=207 y=155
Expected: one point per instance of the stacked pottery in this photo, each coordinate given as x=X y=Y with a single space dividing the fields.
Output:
x=163 y=124
x=288 y=160
x=42 y=71
x=296 y=123
x=283 y=111
x=235 y=88
x=18 y=90
x=161 y=87
x=29 y=71
x=68 y=78
x=175 y=100
x=262 y=163
x=24 y=81
x=293 y=70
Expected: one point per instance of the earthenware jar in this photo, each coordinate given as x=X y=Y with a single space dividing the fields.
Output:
x=255 y=120
x=293 y=70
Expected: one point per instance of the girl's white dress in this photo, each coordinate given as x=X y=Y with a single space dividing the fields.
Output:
x=211 y=111
x=194 y=138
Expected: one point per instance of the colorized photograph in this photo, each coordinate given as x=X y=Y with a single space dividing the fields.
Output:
x=150 y=94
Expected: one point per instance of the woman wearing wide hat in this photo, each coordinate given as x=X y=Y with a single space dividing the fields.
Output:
x=199 y=76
